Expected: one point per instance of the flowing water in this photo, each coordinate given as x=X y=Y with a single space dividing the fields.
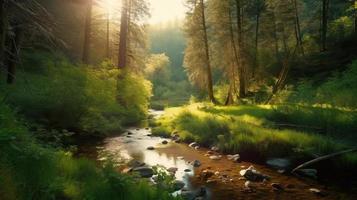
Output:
x=226 y=184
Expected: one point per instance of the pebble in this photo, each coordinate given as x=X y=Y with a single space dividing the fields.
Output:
x=150 y=148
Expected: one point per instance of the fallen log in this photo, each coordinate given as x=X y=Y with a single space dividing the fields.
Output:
x=323 y=158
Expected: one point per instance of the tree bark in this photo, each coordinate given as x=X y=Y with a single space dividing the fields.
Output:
x=207 y=54
x=13 y=57
x=107 y=51
x=3 y=27
x=122 y=57
x=242 y=85
x=298 y=29
x=324 y=20
x=87 y=33
x=257 y=24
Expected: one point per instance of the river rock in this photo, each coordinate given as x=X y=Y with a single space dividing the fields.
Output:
x=217 y=173
x=317 y=192
x=277 y=186
x=145 y=172
x=234 y=158
x=151 y=148
x=180 y=157
x=165 y=142
x=187 y=170
x=312 y=173
x=197 y=147
x=215 y=157
x=252 y=174
x=130 y=133
x=279 y=163
x=172 y=170
x=211 y=182
x=193 y=144
x=206 y=174
x=178 y=185
x=196 y=163
x=248 y=184
x=210 y=152
x=214 y=148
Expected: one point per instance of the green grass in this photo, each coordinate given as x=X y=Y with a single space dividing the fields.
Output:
x=252 y=131
x=29 y=170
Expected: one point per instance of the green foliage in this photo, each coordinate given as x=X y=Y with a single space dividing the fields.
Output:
x=61 y=95
x=30 y=171
x=337 y=91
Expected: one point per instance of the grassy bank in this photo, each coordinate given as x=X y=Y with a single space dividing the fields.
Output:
x=262 y=132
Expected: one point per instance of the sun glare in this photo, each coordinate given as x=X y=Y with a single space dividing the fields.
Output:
x=161 y=10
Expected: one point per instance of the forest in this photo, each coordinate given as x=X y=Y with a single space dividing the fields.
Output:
x=230 y=100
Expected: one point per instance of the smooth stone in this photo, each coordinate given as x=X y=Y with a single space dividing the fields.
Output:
x=145 y=172
x=234 y=158
x=308 y=172
x=214 y=148
x=279 y=163
x=252 y=174
x=215 y=157
x=211 y=182
x=248 y=184
x=317 y=192
x=197 y=147
x=193 y=144
x=216 y=173
x=150 y=148
x=196 y=163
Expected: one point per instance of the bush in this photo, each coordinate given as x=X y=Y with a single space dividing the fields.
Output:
x=61 y=95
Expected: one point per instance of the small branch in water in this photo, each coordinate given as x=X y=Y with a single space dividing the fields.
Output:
x=323 y=158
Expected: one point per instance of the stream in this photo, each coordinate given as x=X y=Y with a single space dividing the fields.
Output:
x=214 y=179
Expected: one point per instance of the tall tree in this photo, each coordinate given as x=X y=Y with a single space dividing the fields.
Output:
x=324 y=21
x=14 y=51
x=198 y=60
x=242 y=67
x=122 y=57
x=87 y=32
x=3 y=30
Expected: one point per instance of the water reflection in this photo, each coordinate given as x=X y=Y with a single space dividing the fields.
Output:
x=133 y=146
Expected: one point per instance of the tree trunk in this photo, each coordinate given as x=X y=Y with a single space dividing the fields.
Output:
x=122 y=58
x=324 y=20
x=107 y=52
x=3 y=27
x=298 y=29
x=242 y=86
x=257 y=24
x=207 y=54
x=13 y=56
x=87 y=33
